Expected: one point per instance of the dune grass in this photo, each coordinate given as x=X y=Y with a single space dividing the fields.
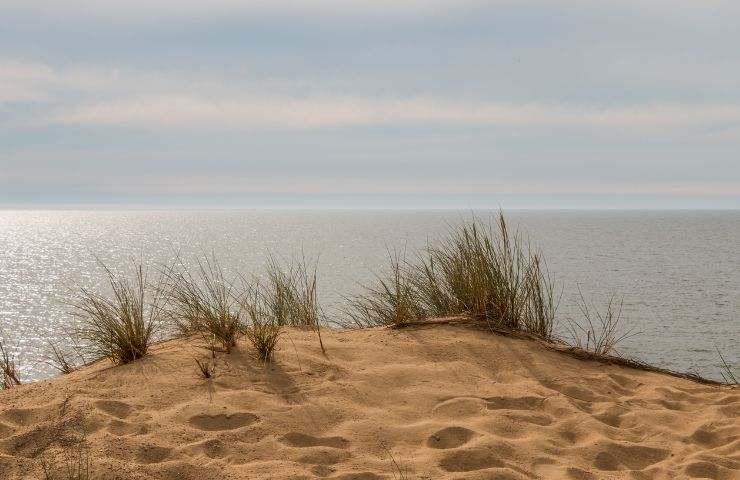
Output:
x=264 y=334
x=286 y=296
x=600 y=332
x=728 y=374
x=8 y=368
x=203 y=302
x=121 y=326
x=263 y=330
x=289 y=293
x=59 y=359
x=488 y=273
x=391 y=300
x=70 y=463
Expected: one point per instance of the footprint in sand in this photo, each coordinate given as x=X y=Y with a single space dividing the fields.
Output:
x=469 y=460
x=628 y=457
x=324 y=456
x=514 y=403
x=710 y=437
x=458 y=407
x=615 y=417
x=578 y=474
x=114 y=408
x=4 y=430
x=711 y=469
x=358 y=476
x=301 y=440
x=121 y=428
x=23 y=416
x=222 y=421
x=450 y=437
x=152 y=454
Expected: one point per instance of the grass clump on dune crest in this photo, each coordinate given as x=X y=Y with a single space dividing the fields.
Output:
x=288 y=296
x=204 y=303
x=263 y=334
x=489 y=274
x=120 y=327
x=391 y=300
x=263 y=330
x=289 y=293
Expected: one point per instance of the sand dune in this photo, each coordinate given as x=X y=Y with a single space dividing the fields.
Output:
x=447 y=402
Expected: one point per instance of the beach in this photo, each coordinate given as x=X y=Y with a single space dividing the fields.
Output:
x=441 y=401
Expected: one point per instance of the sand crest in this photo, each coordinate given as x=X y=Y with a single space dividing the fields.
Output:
x=444 y=401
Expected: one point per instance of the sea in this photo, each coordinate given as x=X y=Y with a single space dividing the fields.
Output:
x=675 y=273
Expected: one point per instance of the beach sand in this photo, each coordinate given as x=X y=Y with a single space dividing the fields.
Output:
x=433 y=402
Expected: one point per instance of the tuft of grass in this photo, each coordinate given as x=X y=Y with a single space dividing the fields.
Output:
x=289 y=295
x=600 y=332
x=203 y=302
x=728 y=374
x=542 y=301
x=122 y=326
x=392 y=300
x=488 y=273
x=73 y=463
x=485 y=272
x=8 y=369
x=264 y=334
x=264 y=330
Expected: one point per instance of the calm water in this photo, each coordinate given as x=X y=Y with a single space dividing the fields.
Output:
x=679 y=272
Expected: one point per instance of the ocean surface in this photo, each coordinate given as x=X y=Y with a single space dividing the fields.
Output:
x=678 y=272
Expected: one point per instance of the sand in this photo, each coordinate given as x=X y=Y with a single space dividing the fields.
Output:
x=445 y=401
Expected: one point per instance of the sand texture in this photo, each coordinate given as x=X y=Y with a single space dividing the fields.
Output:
x=446 y=401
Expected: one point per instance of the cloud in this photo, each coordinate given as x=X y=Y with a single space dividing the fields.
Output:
x=34 y=81
x=166 y=111
x=90 y=96
x=144 y=7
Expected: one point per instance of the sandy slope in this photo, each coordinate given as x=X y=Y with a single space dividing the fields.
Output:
x=446 y=401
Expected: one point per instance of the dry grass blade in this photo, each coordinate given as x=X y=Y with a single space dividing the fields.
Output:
x=392 y=300
x=59 y=359
x=541 y=305
x=8 y=368
x=600 y=332
x=120 y=327
x=398 y=472
x=728 y=374
x=203 y=302
x=206 y=368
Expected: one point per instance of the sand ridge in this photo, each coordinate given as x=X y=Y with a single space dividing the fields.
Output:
x=441 y=402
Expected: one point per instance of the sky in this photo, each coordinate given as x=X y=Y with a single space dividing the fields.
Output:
x=354 y=104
